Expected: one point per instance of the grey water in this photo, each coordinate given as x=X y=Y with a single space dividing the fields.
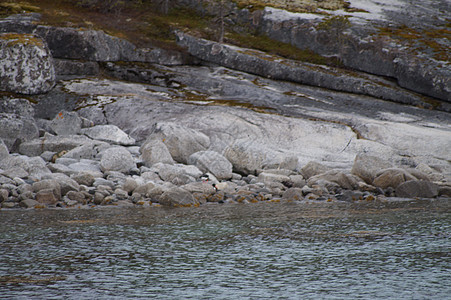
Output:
x=233 y=251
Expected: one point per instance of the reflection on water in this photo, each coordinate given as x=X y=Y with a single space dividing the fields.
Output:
x=258 y=251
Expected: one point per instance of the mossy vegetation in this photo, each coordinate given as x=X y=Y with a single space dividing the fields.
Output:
x=143 y=23
x=266 y=44
x=17 y=38
x=435 y=40
x=10 y=8
x=302 y=6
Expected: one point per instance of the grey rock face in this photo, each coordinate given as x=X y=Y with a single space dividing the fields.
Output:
x=260 y=63
x=181 y=141
x=108 y=133
x=117 y=159
x=15 y=130
x=154 y=151
x=177 y=174
x=74 y=67
x=27 y=66
x=213 y=162
x=66 y=123
x=414 y=188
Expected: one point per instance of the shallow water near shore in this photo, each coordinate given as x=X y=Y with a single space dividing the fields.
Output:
x=286 y=250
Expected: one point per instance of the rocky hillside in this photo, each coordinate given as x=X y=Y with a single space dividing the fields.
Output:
x=95 y=115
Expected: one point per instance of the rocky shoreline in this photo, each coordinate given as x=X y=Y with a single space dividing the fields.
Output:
x=106 y=123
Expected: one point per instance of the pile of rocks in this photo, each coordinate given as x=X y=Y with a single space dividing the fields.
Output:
x=70 y=162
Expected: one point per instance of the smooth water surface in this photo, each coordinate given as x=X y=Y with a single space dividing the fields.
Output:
x=255 y=251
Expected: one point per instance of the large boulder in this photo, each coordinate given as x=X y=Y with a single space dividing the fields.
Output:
x=117 y=159
x=248 y=156
x=27 y=66
x=177 y=174
x=52 y=143
x=213 y=162
x=178 y=197
x=181 y=141
x=155 y=151
x=66 y=123
x=15 y=129
x=109 y=133
x=417 y=188
x=366 y=167
x=392 y=177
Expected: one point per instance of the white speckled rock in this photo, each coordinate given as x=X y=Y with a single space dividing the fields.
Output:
x=27 y=66
x=117 y=159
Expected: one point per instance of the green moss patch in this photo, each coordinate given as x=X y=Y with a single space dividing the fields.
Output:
x=264 y=43
x=11 y=8
x=433 y=40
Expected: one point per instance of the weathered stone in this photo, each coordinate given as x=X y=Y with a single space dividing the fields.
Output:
x=177 y=197
x=84 y=178
x=144 y=189
x=346 y=181
x=117 y=159
x=4 y=194
x=297 y=180
x=129 y=185
x=350 y=196
x=293 y=194
x=46 y=196
x=74 y=67
x=52 y=143
x=199 y=187
x=181 y=141
x=47 y=185
x=79 y=197
x=15 y=129
x=154 y=151
x=213 y=162
x=109 y=133
x=121 y=194
x=27 y=66
x=66 y=183
x=66 y=123
x=432 y=174
x=392 y=177
x=28 y=203
x=4 y=153
x=417 y=188
x=177 y=174
x=270 y=177
x=366 y=167
x=22 y=167
x=313 y=168
x=103 y=182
